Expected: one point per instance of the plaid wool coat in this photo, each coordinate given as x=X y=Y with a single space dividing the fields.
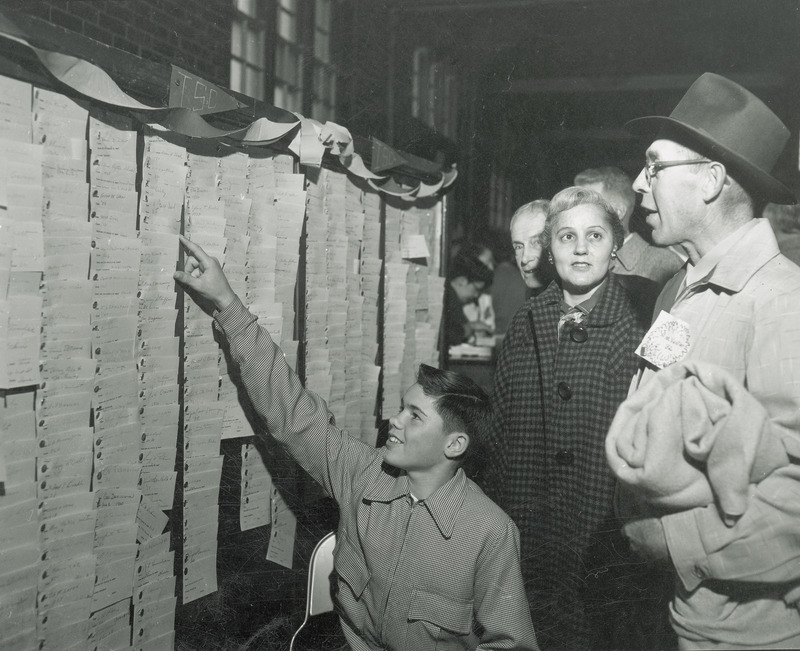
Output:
x=553 y=404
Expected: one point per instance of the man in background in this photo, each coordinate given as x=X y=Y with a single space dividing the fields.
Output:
x=636 y=257
x=527 y=224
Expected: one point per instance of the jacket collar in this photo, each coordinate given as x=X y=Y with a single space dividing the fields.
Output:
x=745 y=258
x=611 y=308
x=443 y=505
x=629 y=254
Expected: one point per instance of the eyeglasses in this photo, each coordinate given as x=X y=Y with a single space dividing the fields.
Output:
x=651 y=169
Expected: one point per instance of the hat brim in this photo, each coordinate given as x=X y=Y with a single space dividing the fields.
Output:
x=753 y=178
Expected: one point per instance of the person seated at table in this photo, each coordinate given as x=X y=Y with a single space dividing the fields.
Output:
x=467 y=278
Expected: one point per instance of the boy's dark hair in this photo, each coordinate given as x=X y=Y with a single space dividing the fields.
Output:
x=461 y=403
x=471 y=268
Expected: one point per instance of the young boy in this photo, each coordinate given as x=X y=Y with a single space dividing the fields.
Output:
x=424 y=559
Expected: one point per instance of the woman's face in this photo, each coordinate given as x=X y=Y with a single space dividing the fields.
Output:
x=581 y=244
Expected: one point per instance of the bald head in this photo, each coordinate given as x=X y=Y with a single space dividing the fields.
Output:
x=615 y=186
x=527 y=225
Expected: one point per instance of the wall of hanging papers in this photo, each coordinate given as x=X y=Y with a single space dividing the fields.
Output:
x=118 y=401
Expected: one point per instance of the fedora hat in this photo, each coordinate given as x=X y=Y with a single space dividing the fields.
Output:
x=733 y=126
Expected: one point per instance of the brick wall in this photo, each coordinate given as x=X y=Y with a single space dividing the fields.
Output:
x=192 y=34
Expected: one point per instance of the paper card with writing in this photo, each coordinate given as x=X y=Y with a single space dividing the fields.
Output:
x=115 y=535
x=154 y=568
x=200 y=480
x=77 y=464
x=159 y=487
x=115 y=525
x=151 y=520
x=254 y=510
x=117 y=498
x=202 y=498
x=199 y=577
x=114 y=582
x=146 y=614
x=66 y=526
x=15 y=451
x=281 y=540
x=159 y=437
x=17 y=514
x=52 y=619
x=194 y=518
x=62 y=593
x=668 y=341
x=154 y=590
x=64 y=505
x=108 y=455
x=61 y=485
x=158 y=628
x=121 y=476
x=73 y=569
x=157 y=416
x=106 y=623
x=158 y=459
x=113 y=553
x=107 y=419
x=25 y=555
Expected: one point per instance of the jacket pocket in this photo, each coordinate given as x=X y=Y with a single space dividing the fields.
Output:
x=348 y=561
x=442 y=611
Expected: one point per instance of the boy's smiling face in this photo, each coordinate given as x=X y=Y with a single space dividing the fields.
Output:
x=417 y=439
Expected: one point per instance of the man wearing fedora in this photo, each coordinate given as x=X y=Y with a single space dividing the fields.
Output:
x=734 y=305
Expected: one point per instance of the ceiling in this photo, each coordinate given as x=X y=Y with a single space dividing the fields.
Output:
x=552 y=82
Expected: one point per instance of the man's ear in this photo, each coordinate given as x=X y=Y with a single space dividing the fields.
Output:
x=456 y=445
x=716 y=177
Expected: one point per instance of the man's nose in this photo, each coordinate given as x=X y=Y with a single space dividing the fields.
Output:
x=531 y=253
x=640 y=183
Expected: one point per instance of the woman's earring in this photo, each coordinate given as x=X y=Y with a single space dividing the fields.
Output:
x=550 y=258
x=614 y=254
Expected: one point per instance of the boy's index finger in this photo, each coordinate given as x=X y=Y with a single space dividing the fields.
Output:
x=195 y=249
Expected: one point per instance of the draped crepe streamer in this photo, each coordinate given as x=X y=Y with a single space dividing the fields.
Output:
x=93 y=82
x=395 y=188
x=426 y=190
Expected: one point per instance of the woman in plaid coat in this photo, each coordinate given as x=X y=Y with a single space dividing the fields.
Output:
x=565 y=365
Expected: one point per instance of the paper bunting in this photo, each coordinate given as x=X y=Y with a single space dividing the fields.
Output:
x=265 y=132
x=395 y=188
x=190 y=97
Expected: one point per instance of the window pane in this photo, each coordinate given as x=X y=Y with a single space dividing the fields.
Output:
x=322 y=46
x=255 y=47
x=247 y=7
x=279 y=100
x=236 y=38
x=252 y=82
x=286 y=27
x=236 y=76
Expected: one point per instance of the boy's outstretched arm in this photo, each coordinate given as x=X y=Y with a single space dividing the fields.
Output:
x=295 y=417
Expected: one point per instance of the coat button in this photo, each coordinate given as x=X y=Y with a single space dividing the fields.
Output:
x=565 y=457
x=564 y=391
x=578 y=334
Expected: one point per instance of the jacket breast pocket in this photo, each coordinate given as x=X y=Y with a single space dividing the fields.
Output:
x=348 y=561
x=443 y=617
